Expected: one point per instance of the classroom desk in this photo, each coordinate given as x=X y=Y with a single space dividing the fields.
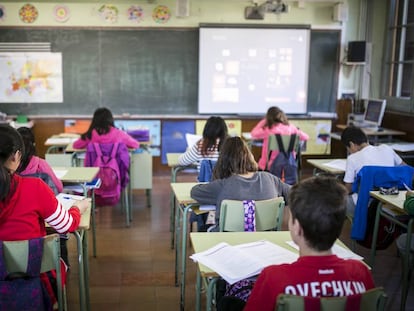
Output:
x=81 y=176
x=185 y=203
x=374 y=136
x=202 y=241
x=320 y=165
x=60 y=141
x=172 y=162
x=396 y=201
x=81 y=235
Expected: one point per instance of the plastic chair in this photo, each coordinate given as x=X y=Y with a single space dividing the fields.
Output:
x=16 y=258
x=268 y=214
x=373 y=299
x=60 y=159
x=287 y=146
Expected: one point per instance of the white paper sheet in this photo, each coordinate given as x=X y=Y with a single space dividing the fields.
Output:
x=338 y=250
x=192 y=139
x=67 y=200
x=234 y=263
x=60 y=173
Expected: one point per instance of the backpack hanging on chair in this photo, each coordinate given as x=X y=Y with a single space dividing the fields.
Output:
x=109 y=192
x=24 y=291
x=284 y=165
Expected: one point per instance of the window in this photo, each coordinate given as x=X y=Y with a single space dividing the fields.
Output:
x=400 y=56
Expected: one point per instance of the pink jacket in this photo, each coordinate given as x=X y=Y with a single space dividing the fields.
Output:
x=38 y=165
x=114 y=135
x=260 y=131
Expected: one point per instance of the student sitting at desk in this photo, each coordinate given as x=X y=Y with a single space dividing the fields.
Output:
x=102 y=130
x=208 y=147
x=361 y=153
x=31 y=164
x=26 y=203
x=275 y=122
x=317 y=213
x=236 y=177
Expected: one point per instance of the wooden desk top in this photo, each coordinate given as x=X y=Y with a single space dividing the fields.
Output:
x=172 y=159
x=182 y=192
x=76 y=174
x=321 y=164
x=202 y=241
x=393 y=200
x=374 y=132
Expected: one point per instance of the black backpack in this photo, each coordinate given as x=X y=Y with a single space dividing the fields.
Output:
x=284 y=165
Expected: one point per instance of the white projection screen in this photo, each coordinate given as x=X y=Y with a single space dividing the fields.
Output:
x=248 y=70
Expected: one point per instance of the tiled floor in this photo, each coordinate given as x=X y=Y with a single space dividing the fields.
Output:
x=134 y=267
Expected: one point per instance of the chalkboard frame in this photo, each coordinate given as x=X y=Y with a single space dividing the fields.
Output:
x=169 y=78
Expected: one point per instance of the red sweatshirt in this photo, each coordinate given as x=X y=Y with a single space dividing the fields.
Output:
x=313 y=276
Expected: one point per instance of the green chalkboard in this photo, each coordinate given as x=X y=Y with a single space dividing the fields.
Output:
x=148 y=71
x=323 y=70
x=129 y=71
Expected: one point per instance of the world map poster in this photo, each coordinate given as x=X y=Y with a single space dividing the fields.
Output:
x=31 y=78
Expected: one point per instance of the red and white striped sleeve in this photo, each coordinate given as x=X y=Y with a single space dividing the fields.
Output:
x=63 y=220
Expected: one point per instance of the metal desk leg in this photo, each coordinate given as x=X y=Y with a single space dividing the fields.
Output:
x=86 y=268
x=177 y=241
x=406 y=265
x=173 y=217
x=374 y=236
x=93 y=223
x=148 y=194
x=184 y=230
x=210 y=292
x=198 y=290
x=82 y=291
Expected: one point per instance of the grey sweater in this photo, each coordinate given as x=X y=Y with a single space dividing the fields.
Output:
x=261 y=186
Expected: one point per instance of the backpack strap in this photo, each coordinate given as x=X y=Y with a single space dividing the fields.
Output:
x=291 y=143
x=97 y=150
x=280 y=143
x=114 y=151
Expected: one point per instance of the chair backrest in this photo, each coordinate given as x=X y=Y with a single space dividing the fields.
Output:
x=16 y=259
x=60 y=159
x=285 y=144
x=371 y=300
x=268 y=215
x=369 y=178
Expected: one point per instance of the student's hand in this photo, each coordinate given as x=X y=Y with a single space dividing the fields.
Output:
x=82 y=205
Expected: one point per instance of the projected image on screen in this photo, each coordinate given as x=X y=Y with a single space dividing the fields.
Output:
x=245 y=71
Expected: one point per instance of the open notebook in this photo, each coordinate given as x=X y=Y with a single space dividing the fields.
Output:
x=67 y=200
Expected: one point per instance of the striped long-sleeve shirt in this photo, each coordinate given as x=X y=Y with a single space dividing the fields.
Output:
x=194 y=155
x=33 y=203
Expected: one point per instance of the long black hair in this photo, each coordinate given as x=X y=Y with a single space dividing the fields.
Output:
x=29 y=147
x=102 y=122
x=215 y=128
x=10 y=142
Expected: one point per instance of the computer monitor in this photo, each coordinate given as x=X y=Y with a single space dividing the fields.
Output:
x=374 y=111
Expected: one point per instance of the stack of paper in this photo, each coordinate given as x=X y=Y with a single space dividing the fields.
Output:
x=67 y=200
x=235 y=263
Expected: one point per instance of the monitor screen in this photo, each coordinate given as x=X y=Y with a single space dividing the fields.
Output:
x=374 y=111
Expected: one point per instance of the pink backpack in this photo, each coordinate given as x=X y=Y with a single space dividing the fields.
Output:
x=110 y=190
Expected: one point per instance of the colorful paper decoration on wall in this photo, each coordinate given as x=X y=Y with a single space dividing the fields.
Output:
x=28 y=13
x=135 y=14
x=109 y=13
x=61 y=13
x=161 y=14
